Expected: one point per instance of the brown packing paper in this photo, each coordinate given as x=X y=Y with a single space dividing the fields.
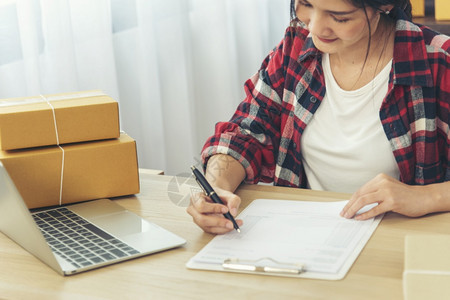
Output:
x=426 y=273
x=92 y=170
x=83 y=116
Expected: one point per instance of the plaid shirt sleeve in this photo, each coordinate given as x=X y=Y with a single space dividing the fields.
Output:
x=253 y=133
x=416 y=114
x=439 y=57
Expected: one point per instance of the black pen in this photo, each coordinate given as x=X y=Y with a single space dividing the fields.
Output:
x=209 y=191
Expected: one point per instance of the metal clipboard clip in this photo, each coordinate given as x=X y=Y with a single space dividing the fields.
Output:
x=263 y=265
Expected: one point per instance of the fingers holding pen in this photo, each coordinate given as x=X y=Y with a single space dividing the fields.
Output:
x=209 y=216
x=204 y=205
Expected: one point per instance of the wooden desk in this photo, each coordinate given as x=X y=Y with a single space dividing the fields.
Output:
x=376 y=274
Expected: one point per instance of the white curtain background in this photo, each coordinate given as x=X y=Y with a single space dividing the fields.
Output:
x=176 y=67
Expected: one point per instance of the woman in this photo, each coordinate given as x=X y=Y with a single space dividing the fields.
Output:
x=356 y=99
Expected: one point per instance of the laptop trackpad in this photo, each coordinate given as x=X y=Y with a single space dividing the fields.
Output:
x=140 y=234
x=136 y=232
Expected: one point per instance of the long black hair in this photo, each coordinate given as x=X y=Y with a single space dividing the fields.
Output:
x=402 y=8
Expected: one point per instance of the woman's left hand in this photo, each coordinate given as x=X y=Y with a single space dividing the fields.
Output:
x=391 y=195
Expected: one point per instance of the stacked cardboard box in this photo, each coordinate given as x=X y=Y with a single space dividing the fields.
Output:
x=418 y=8
x=442 y=10
x=426 y=273
x=66 y=148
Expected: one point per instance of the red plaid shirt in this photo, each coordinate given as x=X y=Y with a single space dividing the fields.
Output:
x=265 y=132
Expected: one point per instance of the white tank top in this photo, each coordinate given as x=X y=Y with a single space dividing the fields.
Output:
x=344 y=146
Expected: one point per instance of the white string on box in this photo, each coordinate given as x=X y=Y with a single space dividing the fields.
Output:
x=57 y=143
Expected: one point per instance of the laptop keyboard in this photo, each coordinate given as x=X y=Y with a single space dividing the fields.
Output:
x=76 y=240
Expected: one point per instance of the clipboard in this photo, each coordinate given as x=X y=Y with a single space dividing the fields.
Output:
x=224 y=252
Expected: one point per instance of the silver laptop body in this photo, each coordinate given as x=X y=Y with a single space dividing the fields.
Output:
x=80 y=237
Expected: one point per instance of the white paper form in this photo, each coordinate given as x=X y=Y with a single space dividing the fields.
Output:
x=292 y=232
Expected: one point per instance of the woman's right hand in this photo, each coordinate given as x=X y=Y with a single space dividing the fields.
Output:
x=209 y=215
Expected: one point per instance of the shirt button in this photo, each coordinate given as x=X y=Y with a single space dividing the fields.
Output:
x=294 y=144
x=313 y=99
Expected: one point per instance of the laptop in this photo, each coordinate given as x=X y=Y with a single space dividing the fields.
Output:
x=79 y=237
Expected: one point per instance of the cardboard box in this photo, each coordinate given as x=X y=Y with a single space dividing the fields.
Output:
x=83 y=116
x=418 y=8
x=92 y=170
x=442 y=10
x=427 y=267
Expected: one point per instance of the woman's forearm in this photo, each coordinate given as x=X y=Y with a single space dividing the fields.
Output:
x=439 y=196
x=225 y=172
